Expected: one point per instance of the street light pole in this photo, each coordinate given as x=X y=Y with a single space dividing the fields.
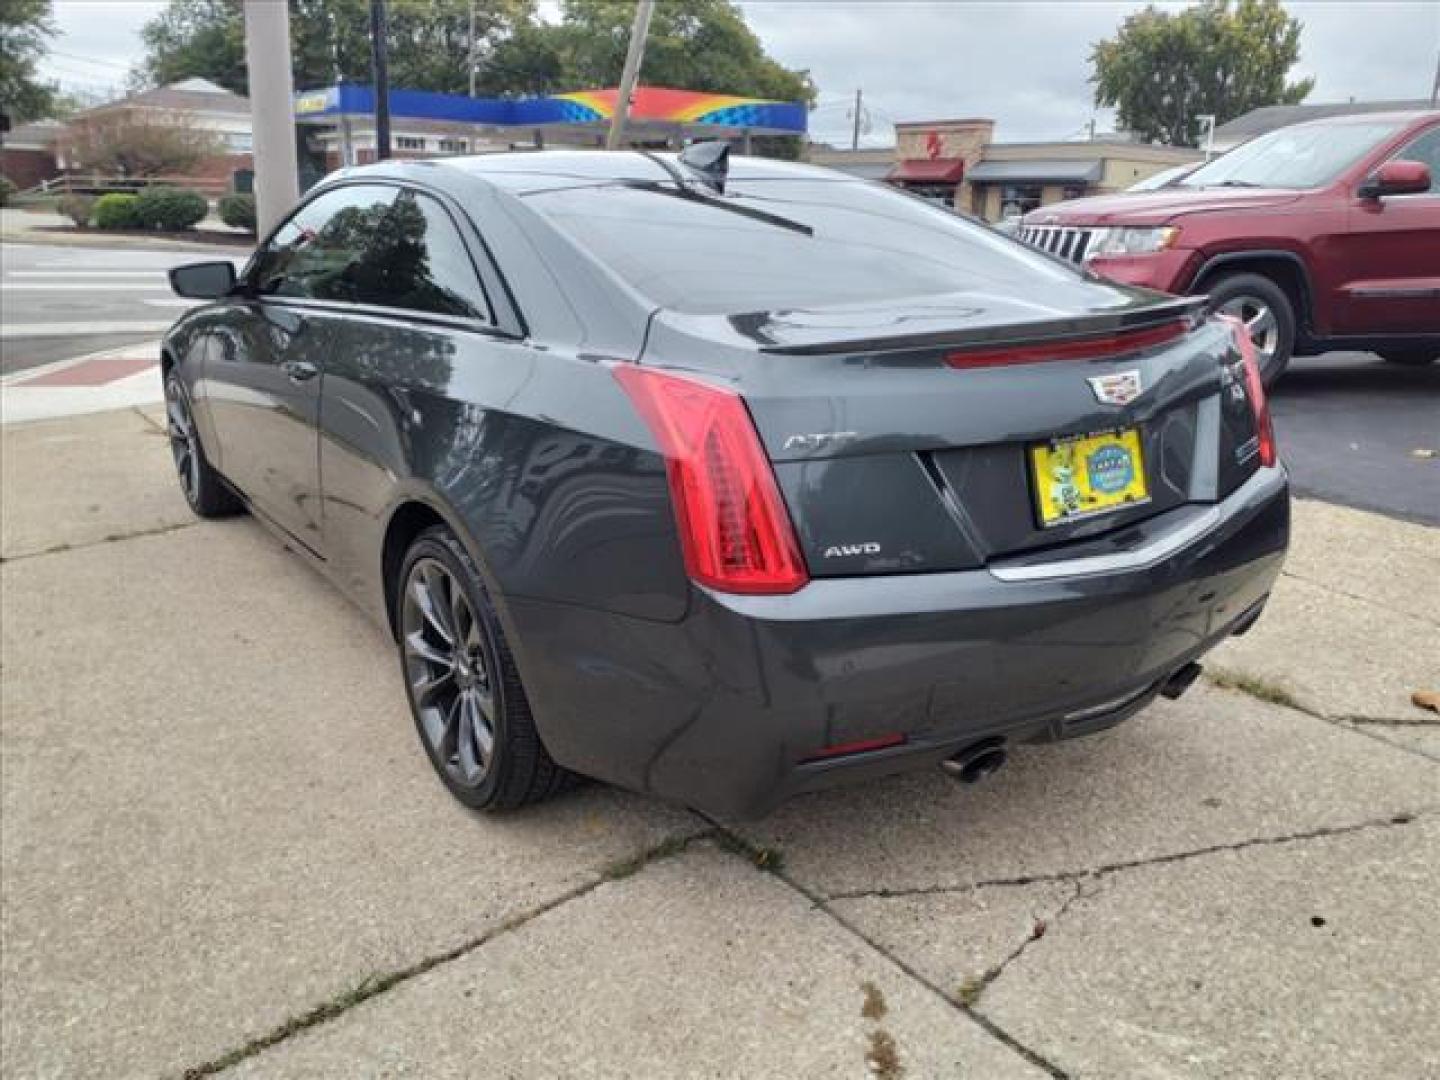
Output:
x=272 y=110
x=471 y=50
x=638 y=31
x=380 y=65
x=855 y=127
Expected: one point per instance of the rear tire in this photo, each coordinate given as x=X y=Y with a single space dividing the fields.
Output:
x=464 y=690
x=1267 y=313
x=1410 y=357
x=203 y=487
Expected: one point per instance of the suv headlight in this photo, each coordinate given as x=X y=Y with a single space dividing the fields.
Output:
x=1132 y=241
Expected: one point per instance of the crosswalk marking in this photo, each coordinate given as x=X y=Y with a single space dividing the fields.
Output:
x=73 y=273
x=97 y=286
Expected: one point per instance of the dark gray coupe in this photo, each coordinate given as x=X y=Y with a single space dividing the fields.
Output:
x=727 y=480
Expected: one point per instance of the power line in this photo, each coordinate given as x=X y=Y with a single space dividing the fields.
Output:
x=89 y=59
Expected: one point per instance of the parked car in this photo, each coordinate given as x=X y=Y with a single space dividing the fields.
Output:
x=1320 y=236
x=725 y=483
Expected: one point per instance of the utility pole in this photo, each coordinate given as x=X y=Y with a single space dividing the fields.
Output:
x=380 y=65
x=272 y=110
x=638 y=31
x=855 y=127
x=1435 y=88
x=472 y=48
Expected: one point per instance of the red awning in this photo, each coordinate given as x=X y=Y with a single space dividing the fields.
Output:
x=928 y=171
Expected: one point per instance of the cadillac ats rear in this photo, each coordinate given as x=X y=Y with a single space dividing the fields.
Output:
x=780 y=479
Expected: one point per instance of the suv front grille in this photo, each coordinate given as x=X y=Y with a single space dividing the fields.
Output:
x=1066 y=242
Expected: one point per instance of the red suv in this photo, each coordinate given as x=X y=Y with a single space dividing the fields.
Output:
x=1320 y=236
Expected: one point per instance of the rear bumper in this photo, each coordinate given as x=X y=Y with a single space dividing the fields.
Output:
x=727 y=709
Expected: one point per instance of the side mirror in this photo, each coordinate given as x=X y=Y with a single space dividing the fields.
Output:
x=203 y=281
x=1396 y=178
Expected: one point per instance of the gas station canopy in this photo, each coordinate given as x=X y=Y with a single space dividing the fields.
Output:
x=656 y=113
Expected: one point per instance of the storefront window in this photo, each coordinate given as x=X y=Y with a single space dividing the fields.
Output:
x=1017 y=199
x=1073 y=191
x=939 y=194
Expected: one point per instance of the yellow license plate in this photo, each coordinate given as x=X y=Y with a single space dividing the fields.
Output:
x=1085 y=475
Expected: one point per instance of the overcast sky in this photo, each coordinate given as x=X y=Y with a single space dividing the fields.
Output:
x=1023 y=64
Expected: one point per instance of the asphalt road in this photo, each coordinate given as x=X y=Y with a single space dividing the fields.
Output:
x=1355 y=430
x=57 y=302
x=1352 y=428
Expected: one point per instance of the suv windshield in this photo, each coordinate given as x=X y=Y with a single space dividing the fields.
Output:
x=1296 y=157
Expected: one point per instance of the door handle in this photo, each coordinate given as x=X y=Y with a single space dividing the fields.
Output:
x=299 y=371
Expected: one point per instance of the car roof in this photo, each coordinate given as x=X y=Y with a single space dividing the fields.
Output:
x=525 y=171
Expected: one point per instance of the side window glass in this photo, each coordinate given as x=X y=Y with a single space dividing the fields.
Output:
x=1427 y=149
x=425 y=265
x=330 y=249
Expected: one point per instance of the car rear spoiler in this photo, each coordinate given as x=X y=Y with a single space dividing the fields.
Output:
x=1100 y=324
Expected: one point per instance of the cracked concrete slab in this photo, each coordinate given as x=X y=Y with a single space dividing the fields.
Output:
x=1216 y=767
x=1317 y=959
x=956 y=939
x=1422 y=738
x=1336 y=655
x=1393 y=564
x=697 y=966
x=216 y=812
x=67 y=483
x=1347 y=628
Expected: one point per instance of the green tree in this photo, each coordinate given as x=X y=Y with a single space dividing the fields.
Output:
x=24 y=26
x=329 y=40
x=1163 y=70
x=695 y=45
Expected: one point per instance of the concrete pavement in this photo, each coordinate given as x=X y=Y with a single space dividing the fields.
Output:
x=223 y=851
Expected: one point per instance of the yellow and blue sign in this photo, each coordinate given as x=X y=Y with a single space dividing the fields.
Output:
x=653 y=103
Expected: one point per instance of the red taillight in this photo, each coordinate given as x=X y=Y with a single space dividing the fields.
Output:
x=1254 y=390
x=1118 y=344
x=862 y=746
x=734 y=530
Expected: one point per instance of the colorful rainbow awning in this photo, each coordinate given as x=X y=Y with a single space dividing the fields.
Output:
x=649 y=104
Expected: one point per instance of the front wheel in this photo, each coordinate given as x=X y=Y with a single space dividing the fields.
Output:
x=1267 y=314
x=465 y=693
x=1410 y=357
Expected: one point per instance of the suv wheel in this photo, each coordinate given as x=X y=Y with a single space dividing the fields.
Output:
x=1410 y=357
x=1267 y=314
x=465 y=693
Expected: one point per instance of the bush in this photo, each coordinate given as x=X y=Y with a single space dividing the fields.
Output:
x=6 y=190
x=78 y=208
x=238 y=211
x=169 y=209
x=116 y=211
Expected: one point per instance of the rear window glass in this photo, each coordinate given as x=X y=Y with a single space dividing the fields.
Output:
x=869 y=244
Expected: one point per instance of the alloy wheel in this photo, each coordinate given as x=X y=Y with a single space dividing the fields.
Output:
x=1260 y=324
x=448 y=669
x=184 y=445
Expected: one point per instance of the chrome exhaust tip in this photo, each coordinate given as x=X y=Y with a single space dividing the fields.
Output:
x=1181 y=681
x=975 y=763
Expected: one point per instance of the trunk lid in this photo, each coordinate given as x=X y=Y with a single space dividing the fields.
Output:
x=895 y=454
